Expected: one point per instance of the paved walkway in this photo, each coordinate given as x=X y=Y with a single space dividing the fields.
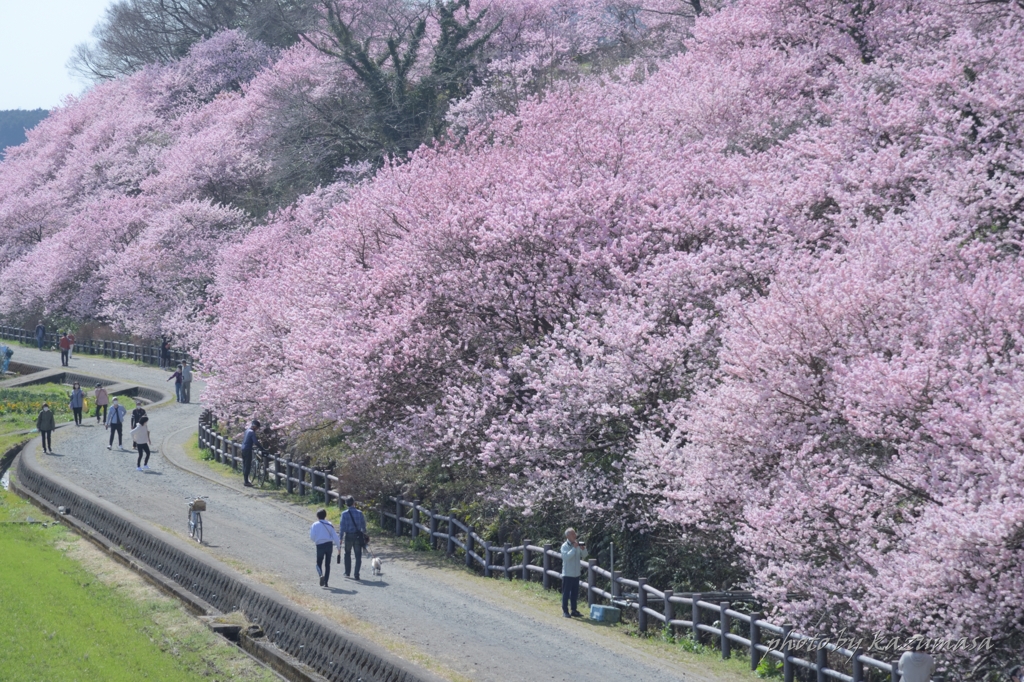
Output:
x=416 y=609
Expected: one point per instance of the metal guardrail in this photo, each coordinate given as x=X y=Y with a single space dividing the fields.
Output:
x=108 y=349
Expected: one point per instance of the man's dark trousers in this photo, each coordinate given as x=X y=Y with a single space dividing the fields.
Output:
x=246 y=464
x=323 y=556
x=116 y=428
x=570 y=592
x=353 y=541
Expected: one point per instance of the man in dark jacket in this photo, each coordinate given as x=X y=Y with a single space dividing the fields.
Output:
x=249 y=441
x=353 y=526
x=40 y=334
x=46 y=424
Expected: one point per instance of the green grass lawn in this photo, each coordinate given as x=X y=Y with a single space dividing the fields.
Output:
x=20 y=406
x=68 y=613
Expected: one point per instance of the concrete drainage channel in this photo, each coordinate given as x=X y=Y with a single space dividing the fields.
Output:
x=297 y=644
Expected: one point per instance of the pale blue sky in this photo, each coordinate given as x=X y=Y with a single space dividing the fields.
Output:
x=36 y=39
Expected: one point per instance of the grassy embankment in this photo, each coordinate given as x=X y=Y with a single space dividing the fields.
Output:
x=67 y=612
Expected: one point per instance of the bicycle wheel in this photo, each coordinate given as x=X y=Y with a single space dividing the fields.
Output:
x=199 y=528
x=191 y=525
x=261 y=472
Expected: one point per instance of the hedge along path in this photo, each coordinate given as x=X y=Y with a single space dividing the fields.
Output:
x=454 y=627
x=70 y=612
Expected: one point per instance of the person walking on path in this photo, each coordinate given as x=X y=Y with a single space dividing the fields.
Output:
x=323 y=535
x=46 y=424
x=573 y=552
x=249 y=441
x=141 y=438
x=916 y=665
x=77 y=402
x=115 y=423
x=138 y=413
x=353 y=525
x=40 y=334
x=186 y=382
x=102 y=400
x=177 y=383
x=65 y=348
x=165 y=354
x=71 y=344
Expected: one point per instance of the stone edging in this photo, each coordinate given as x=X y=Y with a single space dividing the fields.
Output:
x=312 y=640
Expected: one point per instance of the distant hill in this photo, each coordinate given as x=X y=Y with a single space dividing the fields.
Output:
x=14 y=123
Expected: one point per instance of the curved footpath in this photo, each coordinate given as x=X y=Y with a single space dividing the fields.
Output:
x=430 y=615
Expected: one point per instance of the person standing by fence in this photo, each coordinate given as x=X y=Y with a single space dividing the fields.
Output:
x=77 y=402
x=65 y=348
x=141 y=439
x=249 y=441
x=186 y=382
x=102 y=400
x=573 y=552
x=46 y=424
x=353 y=525
x=40 y=334
x=165 y=354
x=916 y=665
x=115 y=423
x=323 y=535
x=177 y=383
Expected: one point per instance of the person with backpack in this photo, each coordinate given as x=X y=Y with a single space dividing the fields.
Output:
x=142 y=440
x=77 y=402
x=115 y=423
x=325 y=538
x=177 y=383
x=46 y=424
x=186 y=382
x=65 y=349
x=102 y=400
x=353 y=525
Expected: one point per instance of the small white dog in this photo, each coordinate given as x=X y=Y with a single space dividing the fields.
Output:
x=376 y=566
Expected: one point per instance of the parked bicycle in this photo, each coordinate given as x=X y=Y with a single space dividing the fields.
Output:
x=262 y=465
x=196 y=505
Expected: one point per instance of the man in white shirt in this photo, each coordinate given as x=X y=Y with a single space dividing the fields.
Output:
x=324 y=536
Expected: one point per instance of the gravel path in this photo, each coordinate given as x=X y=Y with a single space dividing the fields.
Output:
x=479 y=633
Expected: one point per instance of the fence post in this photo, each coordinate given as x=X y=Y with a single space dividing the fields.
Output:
x=508 y=562
x=858 y=666
x=288 y=476
x=669 y=628
x=415 y=518
x=546 y=563
x=641 y=602
x=398 y=515
x=821 y=664
x=895 y=671
x=433 y=529
x=383 y=515
x=327 y=488
x=591 y=577
x=526 y=561
x=302 y=480
x=469 y=546
x=487 y=559
x=725 y=623
x=755 y=640
x=787 y=664
x=696 y=618
x=451 y=535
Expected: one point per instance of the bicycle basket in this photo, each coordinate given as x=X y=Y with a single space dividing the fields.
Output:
x=199 y=505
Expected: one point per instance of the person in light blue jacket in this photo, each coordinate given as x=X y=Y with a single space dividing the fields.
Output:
x=573 y=552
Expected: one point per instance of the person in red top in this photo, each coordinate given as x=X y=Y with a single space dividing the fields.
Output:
x=65 y=349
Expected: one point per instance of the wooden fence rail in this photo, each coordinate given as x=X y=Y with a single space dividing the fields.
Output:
x=108 y=349
x=710 y=619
